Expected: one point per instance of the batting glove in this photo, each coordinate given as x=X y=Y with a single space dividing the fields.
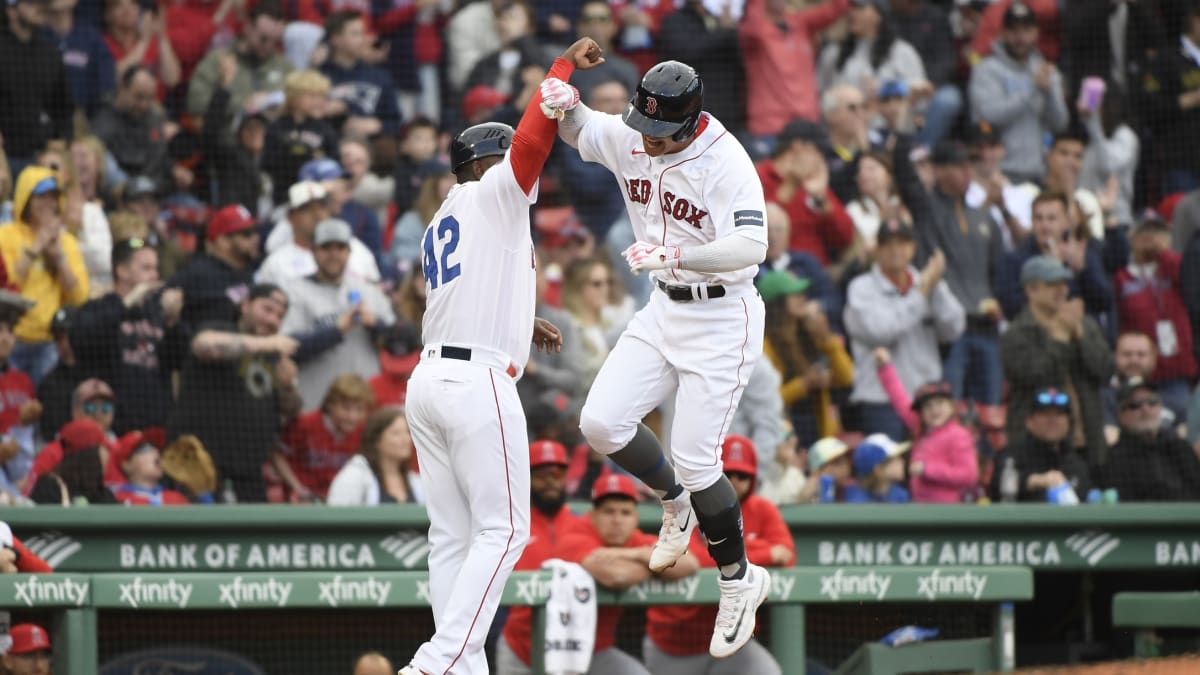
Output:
x=557 y=97
x=642 y=256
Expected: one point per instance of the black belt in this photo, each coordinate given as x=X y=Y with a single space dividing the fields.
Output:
x=684 y=293
x=457 y=353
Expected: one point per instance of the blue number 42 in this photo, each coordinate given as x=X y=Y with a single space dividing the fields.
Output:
x=440 y=271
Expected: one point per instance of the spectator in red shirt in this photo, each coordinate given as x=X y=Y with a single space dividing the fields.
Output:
x=398 y=357
x=780 y=60
x=610 y=547
x=320 y=441
x=139 y=37
x=670 y=645
x=797 y=177
x=549 y=522
x=139 y=464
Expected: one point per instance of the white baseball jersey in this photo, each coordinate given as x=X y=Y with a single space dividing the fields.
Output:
x=707 y=191
x=479 y=267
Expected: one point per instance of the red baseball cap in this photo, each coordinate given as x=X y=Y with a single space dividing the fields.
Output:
x=28 y=638
x=80 y=434
x=738 y=454
x=479 y=99
x=231 y=219
x=612 y=484
x=542 y=453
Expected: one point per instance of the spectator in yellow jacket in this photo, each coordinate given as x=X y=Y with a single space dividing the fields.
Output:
x=44 y=265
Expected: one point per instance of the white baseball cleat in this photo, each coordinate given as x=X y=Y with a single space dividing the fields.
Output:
x=740 y=599
x=678 y=523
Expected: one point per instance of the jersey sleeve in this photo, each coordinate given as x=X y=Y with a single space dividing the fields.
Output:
x=603 y=137
x=735 y=196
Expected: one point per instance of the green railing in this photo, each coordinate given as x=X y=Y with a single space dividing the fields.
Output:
x=78 y=598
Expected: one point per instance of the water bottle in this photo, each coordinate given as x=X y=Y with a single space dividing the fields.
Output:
x=228 y=496
x=1062 y=494
x=1009 y=481
x=1110 y=496
x=828 y=490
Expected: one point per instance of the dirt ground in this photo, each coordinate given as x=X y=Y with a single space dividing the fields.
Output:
x=1176 y=665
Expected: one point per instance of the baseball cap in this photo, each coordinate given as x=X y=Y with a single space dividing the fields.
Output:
x=28 y=638
x=45 y=186
x=802 y=130
x=93 y=388
x=1044 y=268
x=614 y=484
x=332 y=231
x=80 y=434
x=129 y=445
x=949 y=153
x=875 y=450
x=321 y=170
x=557 y=226
x=894 y=227
x=546 y=452
x=13 y=305
x=140 y=186
x=1131 y=386
x=778 y=283
x=738 y=454
x=304 y=193
x=401 y=348
x=1152 y=221
x=825 y=451
x=893 y=89
x=1019 y=14
x=1051 y=397
x=480 y=98
x=229 y=220
x=929 y=391
x=982 y=133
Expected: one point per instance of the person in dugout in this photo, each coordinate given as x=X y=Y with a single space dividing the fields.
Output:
x=670 y=646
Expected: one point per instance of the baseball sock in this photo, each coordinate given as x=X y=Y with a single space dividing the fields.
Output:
x=720 y=516
x=644 y=458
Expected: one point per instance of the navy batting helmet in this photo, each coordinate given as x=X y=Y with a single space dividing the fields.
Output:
x=668 y=102
x=482 y=140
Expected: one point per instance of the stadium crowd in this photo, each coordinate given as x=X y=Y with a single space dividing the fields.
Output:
x=981 y=283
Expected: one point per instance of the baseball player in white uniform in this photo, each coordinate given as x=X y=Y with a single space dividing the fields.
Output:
x=697 y=210
x=462 y=408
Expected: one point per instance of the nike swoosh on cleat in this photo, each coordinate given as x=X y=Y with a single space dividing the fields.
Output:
x=730 y=637
x=683 y=528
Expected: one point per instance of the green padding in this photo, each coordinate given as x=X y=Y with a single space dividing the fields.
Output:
x=937 y=656
x=1157 y=610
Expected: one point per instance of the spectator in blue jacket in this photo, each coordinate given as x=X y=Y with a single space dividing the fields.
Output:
x=366 y=91
x=91 y=72
x=879 y=470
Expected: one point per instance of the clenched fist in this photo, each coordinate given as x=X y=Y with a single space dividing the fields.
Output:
x=557 y=97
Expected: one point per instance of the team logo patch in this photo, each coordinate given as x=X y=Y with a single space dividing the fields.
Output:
x=651 y=105
x=582 y=593
x=747 y=218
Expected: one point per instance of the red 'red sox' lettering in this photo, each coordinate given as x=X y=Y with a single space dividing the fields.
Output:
x=639 y=190
x=682 y=209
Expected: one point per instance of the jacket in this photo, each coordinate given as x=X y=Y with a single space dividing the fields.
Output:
x=1174 y=72
x=1003 y=93
x=1032 y=456
x=1032 y=360
x=253 y=76
x=673 y=629
x=1144 y=303
x=795 y=392
x=289 y=144
x=910 y=325
x=947 y=454
x=973 y=256
x=368 y=91
x=1159 y=469
x=780 y=63
x=239 y=179
x=823 y=234
x=37 y=98
x=39 y=285
x=1091 y=283
x=139 y=144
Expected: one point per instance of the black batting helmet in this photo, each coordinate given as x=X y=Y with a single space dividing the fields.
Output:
x=668 y=102
x=482 y=140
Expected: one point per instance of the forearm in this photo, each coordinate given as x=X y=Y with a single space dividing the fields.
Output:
x=572 y=124
x=281 y=466
x=534 y=136
x=216 y=346
x=727 y=254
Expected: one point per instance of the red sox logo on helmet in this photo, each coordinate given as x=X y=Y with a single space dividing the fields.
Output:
x=651 y=105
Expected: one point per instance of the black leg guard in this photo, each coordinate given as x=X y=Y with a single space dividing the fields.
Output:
x=644 y=458
x=720 y=517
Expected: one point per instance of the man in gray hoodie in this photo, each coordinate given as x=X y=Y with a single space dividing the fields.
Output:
x=1019 y=93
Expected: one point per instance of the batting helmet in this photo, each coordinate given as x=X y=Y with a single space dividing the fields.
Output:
x=668 y=102
x=482 y=140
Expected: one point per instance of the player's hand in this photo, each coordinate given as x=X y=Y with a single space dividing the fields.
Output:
x=585 y=53
x=643 y=256
x=547 y=335
x=557 y=98
x=780 y=555
x=882 y=356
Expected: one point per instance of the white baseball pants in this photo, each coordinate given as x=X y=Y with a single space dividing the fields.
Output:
x=469 y=430
x=709 y=347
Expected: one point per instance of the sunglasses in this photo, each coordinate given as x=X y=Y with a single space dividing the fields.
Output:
x=1056 y=398
x=1142 y=403
x=738 y=475
x=98 y=407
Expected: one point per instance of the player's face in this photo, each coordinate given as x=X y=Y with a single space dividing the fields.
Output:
x=548 y=482
x=37 y=663
x=741 y=482
x=657 y=147
x=615 y=518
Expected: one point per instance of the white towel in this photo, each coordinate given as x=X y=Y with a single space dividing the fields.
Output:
x=570 y=619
